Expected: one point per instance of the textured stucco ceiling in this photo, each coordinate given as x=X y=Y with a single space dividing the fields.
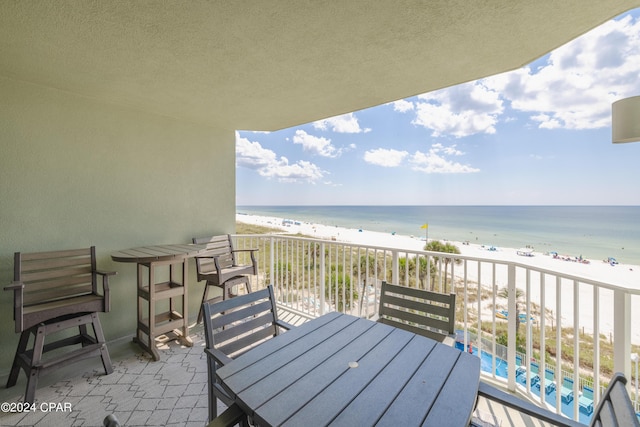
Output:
x=265 y=65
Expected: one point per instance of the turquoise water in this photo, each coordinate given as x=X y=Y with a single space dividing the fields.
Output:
x=486 y=364
x=595 y=232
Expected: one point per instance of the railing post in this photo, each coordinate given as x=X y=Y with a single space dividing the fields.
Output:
x=322 y=278
x=395 y=267
x=512 y=325
x=622 y=332
x=271 y=261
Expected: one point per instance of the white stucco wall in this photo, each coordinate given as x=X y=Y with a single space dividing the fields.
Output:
x=76 y=172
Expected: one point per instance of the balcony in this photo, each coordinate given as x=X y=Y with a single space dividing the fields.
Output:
x=313 y=276
x=545 y=352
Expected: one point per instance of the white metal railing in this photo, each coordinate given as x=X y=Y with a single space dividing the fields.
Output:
x=558 y=314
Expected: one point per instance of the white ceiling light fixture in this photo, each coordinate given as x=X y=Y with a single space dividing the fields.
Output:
x=625 y=120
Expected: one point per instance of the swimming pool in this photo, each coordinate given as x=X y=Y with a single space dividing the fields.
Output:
x=486 y=361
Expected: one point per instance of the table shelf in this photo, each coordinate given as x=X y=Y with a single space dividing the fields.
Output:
x=164 y=322
x=150 y=292
x=162 y=291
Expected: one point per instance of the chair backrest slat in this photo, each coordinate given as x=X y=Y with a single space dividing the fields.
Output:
x=236 y=323
x=239 y=346
x=240 y=314
x=422 y=312
x=220 y=246
x=55 y=275
x=244 y=328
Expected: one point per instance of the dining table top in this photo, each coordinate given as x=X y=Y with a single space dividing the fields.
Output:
x=157 y=253
x=339 y=369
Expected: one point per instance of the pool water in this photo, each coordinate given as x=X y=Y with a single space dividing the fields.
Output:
x=486 y=363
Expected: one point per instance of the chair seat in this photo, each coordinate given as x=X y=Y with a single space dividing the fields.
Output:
x=43 y=312
x=228 y=273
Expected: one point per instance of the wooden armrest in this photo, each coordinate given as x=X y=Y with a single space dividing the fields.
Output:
x=230 y=417
x=106 y=273
x=506 y=399
x=284 y=325
x=14 y=286
x=246 y=250
x=218 y=356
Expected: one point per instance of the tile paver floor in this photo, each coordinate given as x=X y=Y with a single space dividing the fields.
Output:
x=141 y=392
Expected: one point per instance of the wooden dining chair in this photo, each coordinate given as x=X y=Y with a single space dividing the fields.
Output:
x=614 y=409
x=231 y=328
x=426 y=313
x=218 y=266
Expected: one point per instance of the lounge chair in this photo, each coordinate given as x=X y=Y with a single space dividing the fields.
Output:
x=549 y=382
x=567 y=390
x=535 y=369
x=614 y=409
x=586 y=399
x=520 y=368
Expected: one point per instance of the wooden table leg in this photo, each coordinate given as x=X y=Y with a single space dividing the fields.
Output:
x=185 y=339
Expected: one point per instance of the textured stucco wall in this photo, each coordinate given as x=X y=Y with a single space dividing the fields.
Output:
x=75 y=172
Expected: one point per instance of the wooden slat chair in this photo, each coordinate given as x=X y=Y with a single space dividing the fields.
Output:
x=614 y=409
x=426 y=313
x=55 y=291
x=232 y=327
x=218 y=266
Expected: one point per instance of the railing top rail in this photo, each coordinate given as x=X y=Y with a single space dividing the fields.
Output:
x=582 y=279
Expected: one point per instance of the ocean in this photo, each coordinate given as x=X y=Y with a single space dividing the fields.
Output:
x=594 y=232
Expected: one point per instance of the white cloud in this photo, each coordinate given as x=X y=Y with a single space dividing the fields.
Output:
x=385 y=157
x=460 y=111
x=346 y=123
x=319 y=145
x=402 y=106
x=435 y=161
x=574 y=89
x=253 y=156
x=451 y=151
x=300 y=171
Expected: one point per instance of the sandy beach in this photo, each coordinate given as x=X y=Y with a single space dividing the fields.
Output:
x=620 y=275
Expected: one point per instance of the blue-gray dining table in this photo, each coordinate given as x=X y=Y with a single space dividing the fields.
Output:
x=342 y=370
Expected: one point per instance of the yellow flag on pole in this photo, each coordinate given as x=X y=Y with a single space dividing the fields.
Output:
x=425 y=226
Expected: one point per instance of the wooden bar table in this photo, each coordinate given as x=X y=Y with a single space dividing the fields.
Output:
x=150 y=292
x=342 y=370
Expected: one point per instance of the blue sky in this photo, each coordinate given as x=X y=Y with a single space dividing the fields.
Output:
x=540 y=135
